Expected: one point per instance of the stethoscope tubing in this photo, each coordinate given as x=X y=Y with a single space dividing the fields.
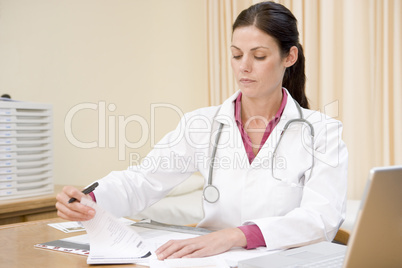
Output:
x=211 y=166
x=211 y=192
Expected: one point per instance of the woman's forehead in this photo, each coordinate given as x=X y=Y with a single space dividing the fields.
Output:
x=252 y=38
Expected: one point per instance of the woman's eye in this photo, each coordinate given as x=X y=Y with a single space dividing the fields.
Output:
x=260 y=58
x=236 y=57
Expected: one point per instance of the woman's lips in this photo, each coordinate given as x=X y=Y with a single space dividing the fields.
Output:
x=246 y=81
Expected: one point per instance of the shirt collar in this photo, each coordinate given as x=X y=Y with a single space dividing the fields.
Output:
x=237 y=107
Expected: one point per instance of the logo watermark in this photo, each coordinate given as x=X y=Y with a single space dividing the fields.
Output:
x=199 y=131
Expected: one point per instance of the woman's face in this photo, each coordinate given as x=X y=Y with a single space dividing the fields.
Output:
x=257 y=63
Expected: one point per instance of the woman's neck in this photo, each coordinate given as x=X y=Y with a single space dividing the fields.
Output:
x=260 y=108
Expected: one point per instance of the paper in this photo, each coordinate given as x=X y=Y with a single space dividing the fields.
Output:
x=68 y=227
x=210 y=262
x=75 y=226
x=111 y=241
x=234 y=255
x=227 y=259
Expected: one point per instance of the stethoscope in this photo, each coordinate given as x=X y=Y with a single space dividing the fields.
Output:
x=211 y=192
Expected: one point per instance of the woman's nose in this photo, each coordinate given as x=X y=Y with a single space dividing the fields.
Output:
x=245 y=65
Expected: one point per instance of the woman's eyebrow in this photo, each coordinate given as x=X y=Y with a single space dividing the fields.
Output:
x=253 y=49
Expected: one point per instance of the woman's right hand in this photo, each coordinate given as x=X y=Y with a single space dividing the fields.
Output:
x=74 y=211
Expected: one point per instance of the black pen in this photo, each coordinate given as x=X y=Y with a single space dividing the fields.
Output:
x=85 y=191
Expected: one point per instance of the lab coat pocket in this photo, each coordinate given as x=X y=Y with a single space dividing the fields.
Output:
x=287 y=197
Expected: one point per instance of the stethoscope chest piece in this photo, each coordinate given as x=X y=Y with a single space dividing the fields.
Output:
x=211 y=193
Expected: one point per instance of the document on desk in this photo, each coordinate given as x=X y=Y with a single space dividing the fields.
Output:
x=75 y=226
x=111 y=241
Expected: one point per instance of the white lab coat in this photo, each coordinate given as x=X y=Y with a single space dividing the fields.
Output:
x=295 y=211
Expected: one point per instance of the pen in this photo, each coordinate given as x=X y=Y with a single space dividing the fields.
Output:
x=85 y=191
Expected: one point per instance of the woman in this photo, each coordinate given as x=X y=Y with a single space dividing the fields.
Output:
x=273 y=190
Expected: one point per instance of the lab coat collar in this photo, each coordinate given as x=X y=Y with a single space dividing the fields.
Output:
x=290 y=112
x=226 y=112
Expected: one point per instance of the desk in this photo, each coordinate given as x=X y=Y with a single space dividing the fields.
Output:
x=17 y=247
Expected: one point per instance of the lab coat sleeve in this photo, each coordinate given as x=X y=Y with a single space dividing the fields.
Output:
x=128 y=192
x=323 y=204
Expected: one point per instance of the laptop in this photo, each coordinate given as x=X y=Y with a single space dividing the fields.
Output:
x=376 y=239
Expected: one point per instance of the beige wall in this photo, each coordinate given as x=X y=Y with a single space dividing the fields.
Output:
x=100 y=55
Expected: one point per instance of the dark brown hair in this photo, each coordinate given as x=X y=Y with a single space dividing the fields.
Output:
x=278 y=22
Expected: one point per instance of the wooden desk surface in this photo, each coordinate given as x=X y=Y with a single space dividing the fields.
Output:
x=17 y=247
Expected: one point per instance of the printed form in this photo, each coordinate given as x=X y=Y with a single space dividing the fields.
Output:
x=111 y=241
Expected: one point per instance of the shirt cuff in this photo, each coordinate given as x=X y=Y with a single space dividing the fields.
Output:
x=253 y=235
x=92 y=195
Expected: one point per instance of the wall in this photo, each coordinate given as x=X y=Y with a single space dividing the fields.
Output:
x=104 y=65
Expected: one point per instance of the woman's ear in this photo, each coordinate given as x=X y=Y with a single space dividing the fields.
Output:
x=291 y=58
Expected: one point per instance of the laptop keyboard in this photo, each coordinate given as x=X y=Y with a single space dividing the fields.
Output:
x=334 y=262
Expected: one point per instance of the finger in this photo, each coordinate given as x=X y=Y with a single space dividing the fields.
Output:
x=199 y=253
x=162 y=251
x=184 y=251
x=75 y=212
x=70 y=192
x=76 y=206
x=203 y=246
x=72 y=218
x=168 y=249
x=178 y=248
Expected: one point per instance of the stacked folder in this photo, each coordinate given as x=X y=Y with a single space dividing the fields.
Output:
x=25 y=149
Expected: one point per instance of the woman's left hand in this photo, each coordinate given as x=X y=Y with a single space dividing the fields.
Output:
x=203 y=246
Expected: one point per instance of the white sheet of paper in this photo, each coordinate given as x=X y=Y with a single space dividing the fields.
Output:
x=224 y=260
x=68 y=227
x=111 y=241
x=75 y=226
x=206 y=262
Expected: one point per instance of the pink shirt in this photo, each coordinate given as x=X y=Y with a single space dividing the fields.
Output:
x=92 y=195
x=252 y=232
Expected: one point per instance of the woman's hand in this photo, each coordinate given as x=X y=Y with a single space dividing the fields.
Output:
x=74 y=211
x=203 y=246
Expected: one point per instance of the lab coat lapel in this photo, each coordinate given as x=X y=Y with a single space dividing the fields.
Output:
x=225 y=114
x=290 y=112
x=231 y=133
